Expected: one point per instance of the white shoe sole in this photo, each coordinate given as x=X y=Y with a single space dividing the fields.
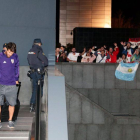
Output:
x=10 y=127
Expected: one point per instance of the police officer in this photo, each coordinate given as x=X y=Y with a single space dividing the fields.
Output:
x=37 y=62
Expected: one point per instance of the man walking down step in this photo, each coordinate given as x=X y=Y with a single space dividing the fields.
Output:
x=9 y=75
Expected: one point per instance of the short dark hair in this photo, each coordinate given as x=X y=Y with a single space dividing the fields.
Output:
x=11 y=46
x=15 y=47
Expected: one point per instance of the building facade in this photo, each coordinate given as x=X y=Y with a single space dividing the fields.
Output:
x=82 y=13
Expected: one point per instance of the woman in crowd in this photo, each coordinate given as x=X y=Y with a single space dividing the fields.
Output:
x=123 y=58
x=89 y=58
x=84 y=52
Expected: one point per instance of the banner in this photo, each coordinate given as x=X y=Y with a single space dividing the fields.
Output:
x=135 y=42
x=126 y=71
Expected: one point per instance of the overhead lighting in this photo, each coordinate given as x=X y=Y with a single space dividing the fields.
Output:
x=107 y=25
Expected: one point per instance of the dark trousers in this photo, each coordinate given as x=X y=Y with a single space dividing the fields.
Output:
x=35 y=77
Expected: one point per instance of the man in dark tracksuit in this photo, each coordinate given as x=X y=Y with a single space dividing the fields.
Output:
x=37 y=61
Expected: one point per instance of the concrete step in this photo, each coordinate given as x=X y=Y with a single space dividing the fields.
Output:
x=23 y=126
x=25 y=111
x=24 y=119
x=26 y=114
x=122 y=114
x=127 y=120
x=22 y=123
x=14 y=135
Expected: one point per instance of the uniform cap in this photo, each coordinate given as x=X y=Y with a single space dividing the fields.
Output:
x=4 y=45
x=38 y=40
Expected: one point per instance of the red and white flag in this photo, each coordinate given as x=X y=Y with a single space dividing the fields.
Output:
x=135 y=42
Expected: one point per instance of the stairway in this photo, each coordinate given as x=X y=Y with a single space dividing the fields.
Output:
x=23 y=126
x=89 y=121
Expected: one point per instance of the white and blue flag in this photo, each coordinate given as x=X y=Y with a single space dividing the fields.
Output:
x=126 y=71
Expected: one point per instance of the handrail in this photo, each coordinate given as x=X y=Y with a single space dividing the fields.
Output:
x=38 y=111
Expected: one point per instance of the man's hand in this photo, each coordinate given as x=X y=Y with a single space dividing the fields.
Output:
x=17 y=82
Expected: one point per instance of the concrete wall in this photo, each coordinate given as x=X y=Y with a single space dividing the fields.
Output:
x=88 y=121
x=98 y=83
x=118 y=101
x=26 y=86
x=23 y=21
x=97 y=76
x=83 y=13
x=57 y=118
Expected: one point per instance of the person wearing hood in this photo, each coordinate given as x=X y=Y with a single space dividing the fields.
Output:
x=37 y=62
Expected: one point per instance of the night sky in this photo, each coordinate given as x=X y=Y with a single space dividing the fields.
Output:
x=130 y=9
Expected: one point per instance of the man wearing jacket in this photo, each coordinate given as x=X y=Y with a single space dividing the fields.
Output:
x=113 y=54
x=9 y=75
x=37 y=62
x=129 y=52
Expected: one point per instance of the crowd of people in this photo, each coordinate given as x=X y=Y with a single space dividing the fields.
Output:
x=114 y=54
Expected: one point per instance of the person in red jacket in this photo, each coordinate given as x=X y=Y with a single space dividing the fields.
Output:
x=113 y=54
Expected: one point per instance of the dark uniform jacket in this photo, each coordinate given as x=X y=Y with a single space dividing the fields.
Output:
x=36 y=58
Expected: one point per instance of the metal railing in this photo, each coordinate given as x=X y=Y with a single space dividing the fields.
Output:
x=38 y=111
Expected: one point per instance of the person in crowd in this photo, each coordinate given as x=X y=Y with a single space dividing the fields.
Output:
x=120 y=50
x=136 y=56
x=122 y=58
x=90 y=51
x=72 y=56
x=37 y=62
x=93 y=49
x=98 y=52
x=84 y=52
x=8 y=79
x=102 y=49
x=101 y=58
x=62 y=56
x=128 y=52
x=123 y=45
x=105 y=48
x=89 y=58
x=57 y=50
x=113 y=55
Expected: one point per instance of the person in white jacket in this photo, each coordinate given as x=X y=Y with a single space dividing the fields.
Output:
x=101 y=58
